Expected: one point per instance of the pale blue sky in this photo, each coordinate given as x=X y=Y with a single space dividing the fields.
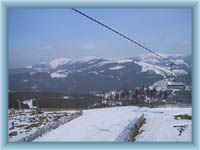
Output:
x=42 y=34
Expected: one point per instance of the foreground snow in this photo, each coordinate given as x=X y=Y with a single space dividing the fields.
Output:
x=161 y=125
x=106 y=124
x=94 y=125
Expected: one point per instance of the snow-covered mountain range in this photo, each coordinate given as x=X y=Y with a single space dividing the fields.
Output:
x=98 y=74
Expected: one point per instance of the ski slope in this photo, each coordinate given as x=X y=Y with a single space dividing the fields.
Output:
x=106 y=124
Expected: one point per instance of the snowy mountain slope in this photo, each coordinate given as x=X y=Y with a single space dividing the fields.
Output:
x=164 y=71
x=161 y=66
x=106 y=124
x=59 y=62
x=64 y=74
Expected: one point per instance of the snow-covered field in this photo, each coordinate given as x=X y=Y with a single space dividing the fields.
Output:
x=106 y=124
x=103 y=124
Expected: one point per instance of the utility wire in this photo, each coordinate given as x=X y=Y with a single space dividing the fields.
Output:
x=124 y=36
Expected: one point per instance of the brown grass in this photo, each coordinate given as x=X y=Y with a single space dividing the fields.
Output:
x=183 y=117
x=136 y=128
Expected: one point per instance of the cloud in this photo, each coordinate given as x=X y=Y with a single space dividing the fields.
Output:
x=46 y=47
x=89 y=46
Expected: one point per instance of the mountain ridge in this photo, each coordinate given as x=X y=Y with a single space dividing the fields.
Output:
x=96 y=74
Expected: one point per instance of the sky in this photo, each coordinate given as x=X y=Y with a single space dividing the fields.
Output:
x=42 y=34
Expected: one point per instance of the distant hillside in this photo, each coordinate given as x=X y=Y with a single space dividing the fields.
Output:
x=92 y=74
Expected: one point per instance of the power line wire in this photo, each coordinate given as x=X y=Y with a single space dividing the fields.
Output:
x=124 y=36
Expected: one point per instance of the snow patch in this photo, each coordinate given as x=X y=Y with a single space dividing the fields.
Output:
x=61 y=71
x=93 y=72
x=29 y=103
x=179 y=72
x=116 y=67
x=160 y=85
x=66 y=97
x=58 y=75
x=25 y=81
x=34 y=87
